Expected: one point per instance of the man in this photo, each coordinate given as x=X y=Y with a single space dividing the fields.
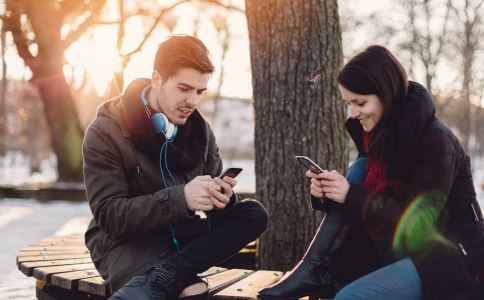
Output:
x=150 y=162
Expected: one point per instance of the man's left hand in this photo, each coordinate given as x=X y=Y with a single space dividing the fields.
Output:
x=221 y=199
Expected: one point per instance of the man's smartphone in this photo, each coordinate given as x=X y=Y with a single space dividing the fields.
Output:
x=230 y=172
x=309 y=164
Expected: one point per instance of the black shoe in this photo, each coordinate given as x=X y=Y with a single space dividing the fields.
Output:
x=159 y=283
x=312 y=275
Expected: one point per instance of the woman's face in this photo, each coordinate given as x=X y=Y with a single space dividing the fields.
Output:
x=368 y=109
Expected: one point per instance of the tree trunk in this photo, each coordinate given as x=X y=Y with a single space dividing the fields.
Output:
x=47 y=75
x=3 y=92
x=289 y=40
x=62 y=118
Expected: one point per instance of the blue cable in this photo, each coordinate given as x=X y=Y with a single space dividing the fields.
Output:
x=164 y=148
x=166 y=162
x=161 y=165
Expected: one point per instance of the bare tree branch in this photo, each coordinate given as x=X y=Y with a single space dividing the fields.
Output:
x=68 y=7
x=122 y=23
x=152 y=28
x=96 y=7
x=11 y=21
x=223 y=5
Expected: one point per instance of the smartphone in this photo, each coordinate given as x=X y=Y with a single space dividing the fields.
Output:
x=231 y=172
x=309 y=164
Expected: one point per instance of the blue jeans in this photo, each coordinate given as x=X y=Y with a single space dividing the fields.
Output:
x=396 y=281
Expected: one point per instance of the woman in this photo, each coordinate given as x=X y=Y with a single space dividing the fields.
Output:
x=412 y=228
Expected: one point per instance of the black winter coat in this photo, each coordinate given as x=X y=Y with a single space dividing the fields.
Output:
x=427 y=212
x=131 y=208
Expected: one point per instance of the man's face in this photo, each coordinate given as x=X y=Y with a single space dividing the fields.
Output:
x=178 y=96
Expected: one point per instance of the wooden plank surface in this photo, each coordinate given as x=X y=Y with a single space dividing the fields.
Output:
x=219 y=281
x=248 y=287
x=50 y=257
x=45 y=273
x=212 y=271
x=28 y=267
x=46 y=248
x=93 y=285
x=69 y=280
x=52 y=252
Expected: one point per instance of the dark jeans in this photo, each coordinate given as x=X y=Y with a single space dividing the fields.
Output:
x=201 y=249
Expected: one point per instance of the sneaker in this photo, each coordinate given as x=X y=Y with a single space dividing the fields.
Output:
x=159 y=283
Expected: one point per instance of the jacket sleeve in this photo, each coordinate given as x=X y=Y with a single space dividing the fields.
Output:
x=415 y=203
x=113 y=208
x=214 y=166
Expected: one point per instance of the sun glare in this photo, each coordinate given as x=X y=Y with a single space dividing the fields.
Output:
x=96 y=56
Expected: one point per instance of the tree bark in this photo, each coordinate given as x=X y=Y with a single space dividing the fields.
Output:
x=289 y=40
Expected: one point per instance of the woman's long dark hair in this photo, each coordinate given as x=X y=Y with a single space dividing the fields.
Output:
x=377 y=71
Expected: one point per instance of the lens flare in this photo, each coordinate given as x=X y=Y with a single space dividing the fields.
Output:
x=417 y=224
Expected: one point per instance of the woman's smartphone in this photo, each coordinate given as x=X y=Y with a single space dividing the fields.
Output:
x=230 y=172
x=309 y=164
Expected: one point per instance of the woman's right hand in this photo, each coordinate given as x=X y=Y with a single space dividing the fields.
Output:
x=316 y=185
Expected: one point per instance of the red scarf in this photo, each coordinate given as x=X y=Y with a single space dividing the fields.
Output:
x=376 y=179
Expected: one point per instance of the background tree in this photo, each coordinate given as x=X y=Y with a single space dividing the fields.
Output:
x=289 y=40
x=41 y=31
x=41 y=42
x=468 y=41
x=3 y=91
x=439 y=43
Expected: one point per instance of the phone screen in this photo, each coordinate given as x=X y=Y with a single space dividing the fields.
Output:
x=309 y=164
x=231 y=172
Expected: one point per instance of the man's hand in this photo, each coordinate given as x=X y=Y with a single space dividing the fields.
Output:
x=332 y=185
x=197 y=195
x=220 y=198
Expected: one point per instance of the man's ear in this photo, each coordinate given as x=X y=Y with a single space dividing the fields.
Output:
x=156 y=80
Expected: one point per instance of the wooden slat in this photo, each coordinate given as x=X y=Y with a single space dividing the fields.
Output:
x=52 y=252
x=248 y=287
x=212 y=271
x=28 y=267
x=47 y=248
x=50 y=257
x=63 y=239
x=45 y=273
x=94 y=285
x=54 y=243
x=69 y=280
x=219 y=281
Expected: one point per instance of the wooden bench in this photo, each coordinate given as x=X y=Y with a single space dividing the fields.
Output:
x=64 y=270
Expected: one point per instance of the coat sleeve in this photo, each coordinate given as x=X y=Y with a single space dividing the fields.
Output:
x=213 y=167
x=416 y=203
x=113 y=208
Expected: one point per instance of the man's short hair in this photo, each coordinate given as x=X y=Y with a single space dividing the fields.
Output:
x=182 y=51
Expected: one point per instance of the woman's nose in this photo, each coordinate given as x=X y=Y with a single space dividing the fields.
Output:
x=354 y=112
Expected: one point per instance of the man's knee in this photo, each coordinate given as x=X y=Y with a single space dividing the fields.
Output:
x=256 y=212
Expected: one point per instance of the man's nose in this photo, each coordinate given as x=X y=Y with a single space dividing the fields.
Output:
x=193 y=99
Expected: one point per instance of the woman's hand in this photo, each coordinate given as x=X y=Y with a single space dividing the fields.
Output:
x=316 y=184
x=331 y=185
